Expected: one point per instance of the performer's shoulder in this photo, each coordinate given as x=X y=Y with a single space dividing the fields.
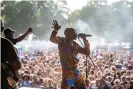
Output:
x=61 y=38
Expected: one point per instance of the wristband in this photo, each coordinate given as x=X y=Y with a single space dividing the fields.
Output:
x=56 y=30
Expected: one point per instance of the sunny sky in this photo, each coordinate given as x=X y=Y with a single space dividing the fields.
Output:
x=78 y=4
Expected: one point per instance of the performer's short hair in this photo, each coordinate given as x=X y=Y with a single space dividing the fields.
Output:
x=67 y=30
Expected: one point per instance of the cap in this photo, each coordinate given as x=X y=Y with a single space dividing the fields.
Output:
x=117 y=81
x=7 y=30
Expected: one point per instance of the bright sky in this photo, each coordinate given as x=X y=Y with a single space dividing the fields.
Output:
x=78 y=4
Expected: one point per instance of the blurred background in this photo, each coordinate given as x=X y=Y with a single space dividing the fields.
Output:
x=109 y=21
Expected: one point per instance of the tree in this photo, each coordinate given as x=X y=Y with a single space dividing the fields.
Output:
x=113 y=22
x=37 y=14
x=18 y=15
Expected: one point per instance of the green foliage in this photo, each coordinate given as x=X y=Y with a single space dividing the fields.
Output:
x=37 y=14
x=115 y=20
x=18 y=15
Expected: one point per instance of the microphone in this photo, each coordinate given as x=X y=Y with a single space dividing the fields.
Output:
x=81 y=34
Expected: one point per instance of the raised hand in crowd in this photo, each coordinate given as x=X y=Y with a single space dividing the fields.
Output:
x=29 y=30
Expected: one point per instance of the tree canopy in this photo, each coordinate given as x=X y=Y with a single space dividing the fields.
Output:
x=113 y=22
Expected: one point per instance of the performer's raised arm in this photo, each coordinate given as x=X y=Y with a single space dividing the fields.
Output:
x=53 y=37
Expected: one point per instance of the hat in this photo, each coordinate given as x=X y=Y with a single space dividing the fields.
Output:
x=7 y=30
x=117 y=80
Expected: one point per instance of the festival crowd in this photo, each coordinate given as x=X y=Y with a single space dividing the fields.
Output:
x=109 y=70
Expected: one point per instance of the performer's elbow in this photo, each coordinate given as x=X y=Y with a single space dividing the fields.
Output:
x=87 y=53
x=52 y=39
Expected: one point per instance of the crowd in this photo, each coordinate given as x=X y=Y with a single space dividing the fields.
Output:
x=42 y=69
x=111 y=70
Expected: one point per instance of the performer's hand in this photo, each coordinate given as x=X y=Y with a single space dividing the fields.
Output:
x=83 y=36
x=55 y=25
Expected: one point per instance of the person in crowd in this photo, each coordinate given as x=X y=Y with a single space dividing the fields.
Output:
x=117 y=84
x=8 y=54
x=104 y=84
x=8 y=32
x=26 y=81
